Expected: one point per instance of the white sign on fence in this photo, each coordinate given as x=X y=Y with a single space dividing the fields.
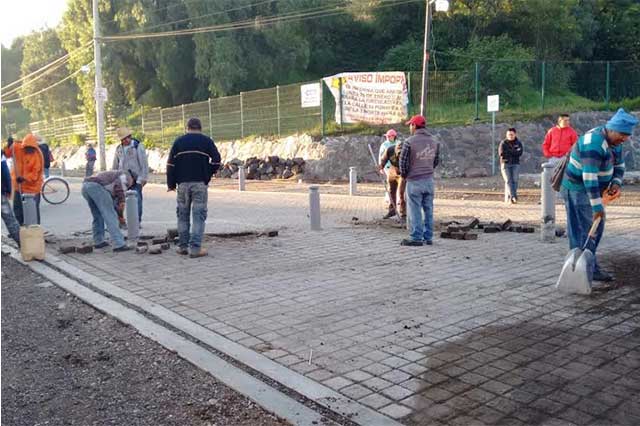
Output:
x=493 y=103
x=310 y=95
x=369 y=97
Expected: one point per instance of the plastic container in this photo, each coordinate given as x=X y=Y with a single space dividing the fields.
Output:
x=32 y=243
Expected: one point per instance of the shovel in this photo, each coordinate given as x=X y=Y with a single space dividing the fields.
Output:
x=577 y=271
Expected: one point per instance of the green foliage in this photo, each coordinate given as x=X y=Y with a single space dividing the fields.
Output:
x=41 y=48
x=405 y=56
x=499 y=75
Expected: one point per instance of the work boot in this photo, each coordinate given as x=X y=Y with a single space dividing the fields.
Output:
x=412 y=243
x=182 y=251
x=121 y=248
x=101 y=245
x=202 y=252
x=602 y=276
x=389 y=215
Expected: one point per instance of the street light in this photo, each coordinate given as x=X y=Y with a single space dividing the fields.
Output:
x=441 y=6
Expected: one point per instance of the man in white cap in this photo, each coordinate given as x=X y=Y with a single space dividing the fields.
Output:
x=131 y=155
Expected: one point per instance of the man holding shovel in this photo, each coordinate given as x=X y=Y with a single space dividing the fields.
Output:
x=595 y=172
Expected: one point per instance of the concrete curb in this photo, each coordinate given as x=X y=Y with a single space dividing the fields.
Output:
x=320 y=394
x=264 y=395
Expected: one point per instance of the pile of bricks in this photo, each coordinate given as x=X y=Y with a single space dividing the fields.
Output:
x=462 y=230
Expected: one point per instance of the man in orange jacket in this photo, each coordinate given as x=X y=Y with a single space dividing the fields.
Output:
x=27 y=172
x=559 y=139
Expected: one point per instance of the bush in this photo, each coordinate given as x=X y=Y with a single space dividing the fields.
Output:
x=506 y=67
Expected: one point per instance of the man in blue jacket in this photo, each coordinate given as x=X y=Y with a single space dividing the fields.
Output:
x=192 y=162
x=596 y=166
x=8 y=217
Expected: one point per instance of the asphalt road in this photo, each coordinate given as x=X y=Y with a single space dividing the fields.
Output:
x=64 y=363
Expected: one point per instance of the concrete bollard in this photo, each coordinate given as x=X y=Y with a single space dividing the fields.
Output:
x=63 y=169
x=131 y=213
x=241 y=178
x=314 y=208
x=506 y=193
x=353 y=181
x=548 y=205
x=29 y=209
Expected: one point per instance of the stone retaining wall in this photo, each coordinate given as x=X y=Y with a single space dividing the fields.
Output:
x=466 y=150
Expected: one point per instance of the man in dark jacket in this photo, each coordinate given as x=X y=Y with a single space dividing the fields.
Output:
x=509 y=152
x=192 y=162
x=418 y=159
x=8 y=217
x=46 y=155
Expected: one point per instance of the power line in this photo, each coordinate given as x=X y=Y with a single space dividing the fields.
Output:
x=179 y=21
x=45 y=73
x=50 y=64
x=289 y=17
x=57 y=83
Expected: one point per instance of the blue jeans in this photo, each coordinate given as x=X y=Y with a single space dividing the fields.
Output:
x=579 y=220
x=138 y=188
x=419 y=195
x=18 y=210
x=46 y=173
x=9 y=220
x=101 y=205
x=510 y=174
x=192 y=201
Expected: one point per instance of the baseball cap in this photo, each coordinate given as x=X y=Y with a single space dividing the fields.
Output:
x=417 y=120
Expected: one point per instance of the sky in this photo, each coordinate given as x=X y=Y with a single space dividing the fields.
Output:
x=20 y=17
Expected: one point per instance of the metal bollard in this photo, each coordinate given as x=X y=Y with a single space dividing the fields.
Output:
x=506 y=192
x=131 y=213
x=314 y=208
x=29 y=209
x=241 y=178
x=547 y=201
x=353 y=181
x=63 y=170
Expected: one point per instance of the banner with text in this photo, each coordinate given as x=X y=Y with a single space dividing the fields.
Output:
x=369 y=97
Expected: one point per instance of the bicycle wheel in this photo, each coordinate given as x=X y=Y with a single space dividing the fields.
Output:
x=55 y=190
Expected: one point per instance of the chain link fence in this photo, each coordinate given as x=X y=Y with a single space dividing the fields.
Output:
x=526 y=89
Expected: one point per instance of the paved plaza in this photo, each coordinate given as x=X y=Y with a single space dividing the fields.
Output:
x=461 y=332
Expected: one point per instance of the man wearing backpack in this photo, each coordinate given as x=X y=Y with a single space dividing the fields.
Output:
x=90 y=156
x=46 y=155
x=131 y=155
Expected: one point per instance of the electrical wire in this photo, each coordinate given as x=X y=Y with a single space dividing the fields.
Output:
x=289 y=17
x=191 y=19
x=50 y=64
x=57 y=83
x=45 y=73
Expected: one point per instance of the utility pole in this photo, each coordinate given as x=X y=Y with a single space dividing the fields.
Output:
x=425 y=60
x=99 y=92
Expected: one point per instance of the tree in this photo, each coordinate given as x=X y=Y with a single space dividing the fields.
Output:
x=14 y=116
x=40 y=48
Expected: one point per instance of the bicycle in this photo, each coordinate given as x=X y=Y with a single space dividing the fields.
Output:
x=55 y=190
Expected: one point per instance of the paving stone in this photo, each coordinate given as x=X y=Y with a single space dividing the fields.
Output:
x=375 y=401
x=415 y=385
x=396 y=411
x=396 y=376
x=84 y=248
x=396 y=392
x=437 y=394
x=377 y=369
x=358 y=376
x=337 y=383
x=65 y=248
x=377 y=384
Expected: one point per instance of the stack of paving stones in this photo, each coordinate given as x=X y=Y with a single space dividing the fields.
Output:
x=153 y=244
x=506 y=226
x=272 y=167
x=462 y=230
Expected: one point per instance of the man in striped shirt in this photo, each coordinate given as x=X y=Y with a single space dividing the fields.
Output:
x=596 y=165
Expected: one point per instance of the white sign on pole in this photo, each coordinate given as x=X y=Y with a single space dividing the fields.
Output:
x=310 y=95
x=100 y=93
x=493 y=103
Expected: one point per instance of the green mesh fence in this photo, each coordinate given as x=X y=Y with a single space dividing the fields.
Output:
x=526 y=89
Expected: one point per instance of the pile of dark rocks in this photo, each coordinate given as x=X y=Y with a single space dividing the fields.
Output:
x=272 y=167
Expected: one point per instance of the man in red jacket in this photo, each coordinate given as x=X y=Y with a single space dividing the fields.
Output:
x=559 y=140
